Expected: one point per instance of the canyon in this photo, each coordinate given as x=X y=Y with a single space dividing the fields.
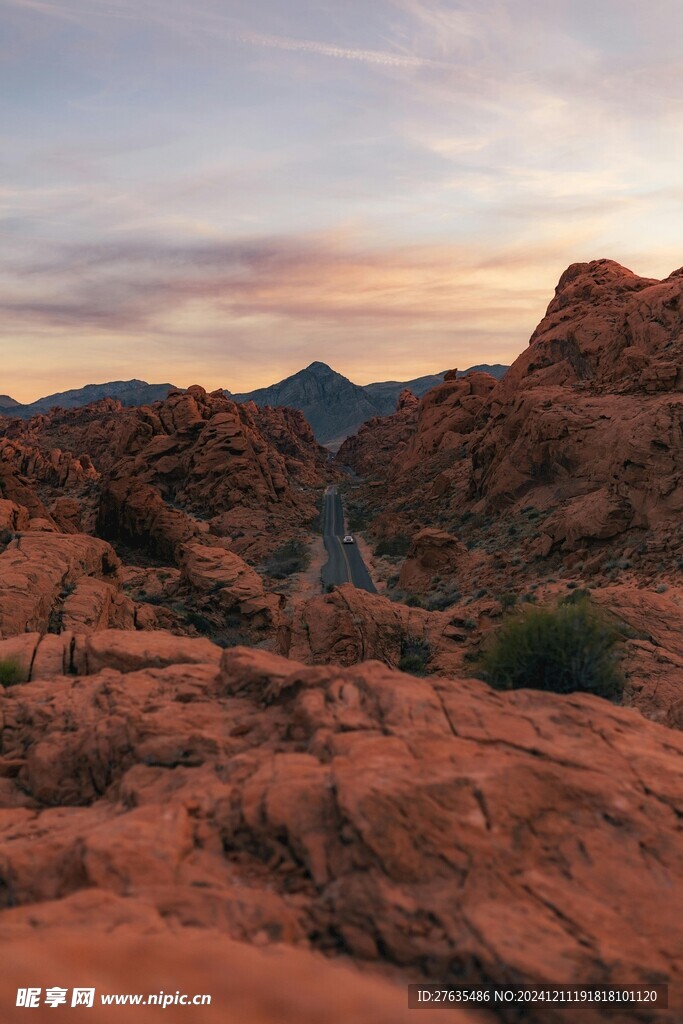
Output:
x=200 y=757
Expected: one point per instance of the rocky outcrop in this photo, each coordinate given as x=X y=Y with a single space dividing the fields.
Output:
x=435 y=827
x=13 y=517
x=595 y=401
x=349 y=626
x=50 y=582
x=651 y=621
x=197 y=463
x=45 y=656
x=380 y=442
x=170 y=472
x=432 y=553
x=421 y=440
x=222 y=575
x=568 y=469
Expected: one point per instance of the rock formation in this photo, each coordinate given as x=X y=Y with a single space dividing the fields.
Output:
x=569 y=469
x=433 y=827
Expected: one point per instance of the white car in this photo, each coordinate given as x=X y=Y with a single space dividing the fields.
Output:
x=348 y=539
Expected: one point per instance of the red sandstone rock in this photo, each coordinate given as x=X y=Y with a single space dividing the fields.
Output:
x=569 y=468
x=349 y=626
x=13 y=517
x=279 y=985
x=432 y=826
x=38 y=573
x=432 y=553
x=232 y=583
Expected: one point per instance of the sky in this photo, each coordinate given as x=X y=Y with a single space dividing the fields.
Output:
x=222 y=191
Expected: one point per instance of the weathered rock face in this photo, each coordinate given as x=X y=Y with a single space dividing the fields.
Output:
x=165 y=471
x=434 y=826
x=45 y=656
x=12 y=516
x=654 y=664
x=432 y=553
x=199 y=457
x=50 y=582
x=595 y=403
x=570 y=468
x=350 y=626
x=37 y=479
x=161 y=482
x=380 y=441
x=223 y=575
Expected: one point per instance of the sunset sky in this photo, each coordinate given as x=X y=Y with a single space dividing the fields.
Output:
x=223 y=191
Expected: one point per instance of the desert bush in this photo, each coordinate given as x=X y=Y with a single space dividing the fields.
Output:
x=415 y=655
x=289 y=558
x=442 y=599
x=11 y=672
x=564 y=649
x=414 y=601
x=575 y=596
x=6 y=538
x=396 y=546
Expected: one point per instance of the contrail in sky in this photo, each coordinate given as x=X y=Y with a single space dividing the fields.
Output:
x=215 y=26
x=327 y=50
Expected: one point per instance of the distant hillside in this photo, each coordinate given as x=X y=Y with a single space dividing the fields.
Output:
x=128 y=392
x=332 y=404
x=335 y=406
x=7 y=403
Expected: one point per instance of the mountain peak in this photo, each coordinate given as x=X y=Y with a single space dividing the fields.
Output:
x=320 y=369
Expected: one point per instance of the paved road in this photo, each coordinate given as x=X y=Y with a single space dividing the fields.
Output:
x=345 y=564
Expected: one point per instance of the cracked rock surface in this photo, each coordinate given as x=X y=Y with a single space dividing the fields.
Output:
x=426 y=828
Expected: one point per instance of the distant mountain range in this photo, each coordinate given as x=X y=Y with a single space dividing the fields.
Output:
x=128 y=392
x=335 y=406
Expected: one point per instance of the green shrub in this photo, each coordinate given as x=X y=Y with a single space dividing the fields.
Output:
x=11 y=672
x=415 y=655
x=289 y=558
x=396 y=546
x=562 y=649
x=414 y=601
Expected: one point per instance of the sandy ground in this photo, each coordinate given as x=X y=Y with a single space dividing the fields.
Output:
x=309 y=584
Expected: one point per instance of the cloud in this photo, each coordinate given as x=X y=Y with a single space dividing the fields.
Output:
x=214 y=24
x=384 y=58
x=319 y=278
